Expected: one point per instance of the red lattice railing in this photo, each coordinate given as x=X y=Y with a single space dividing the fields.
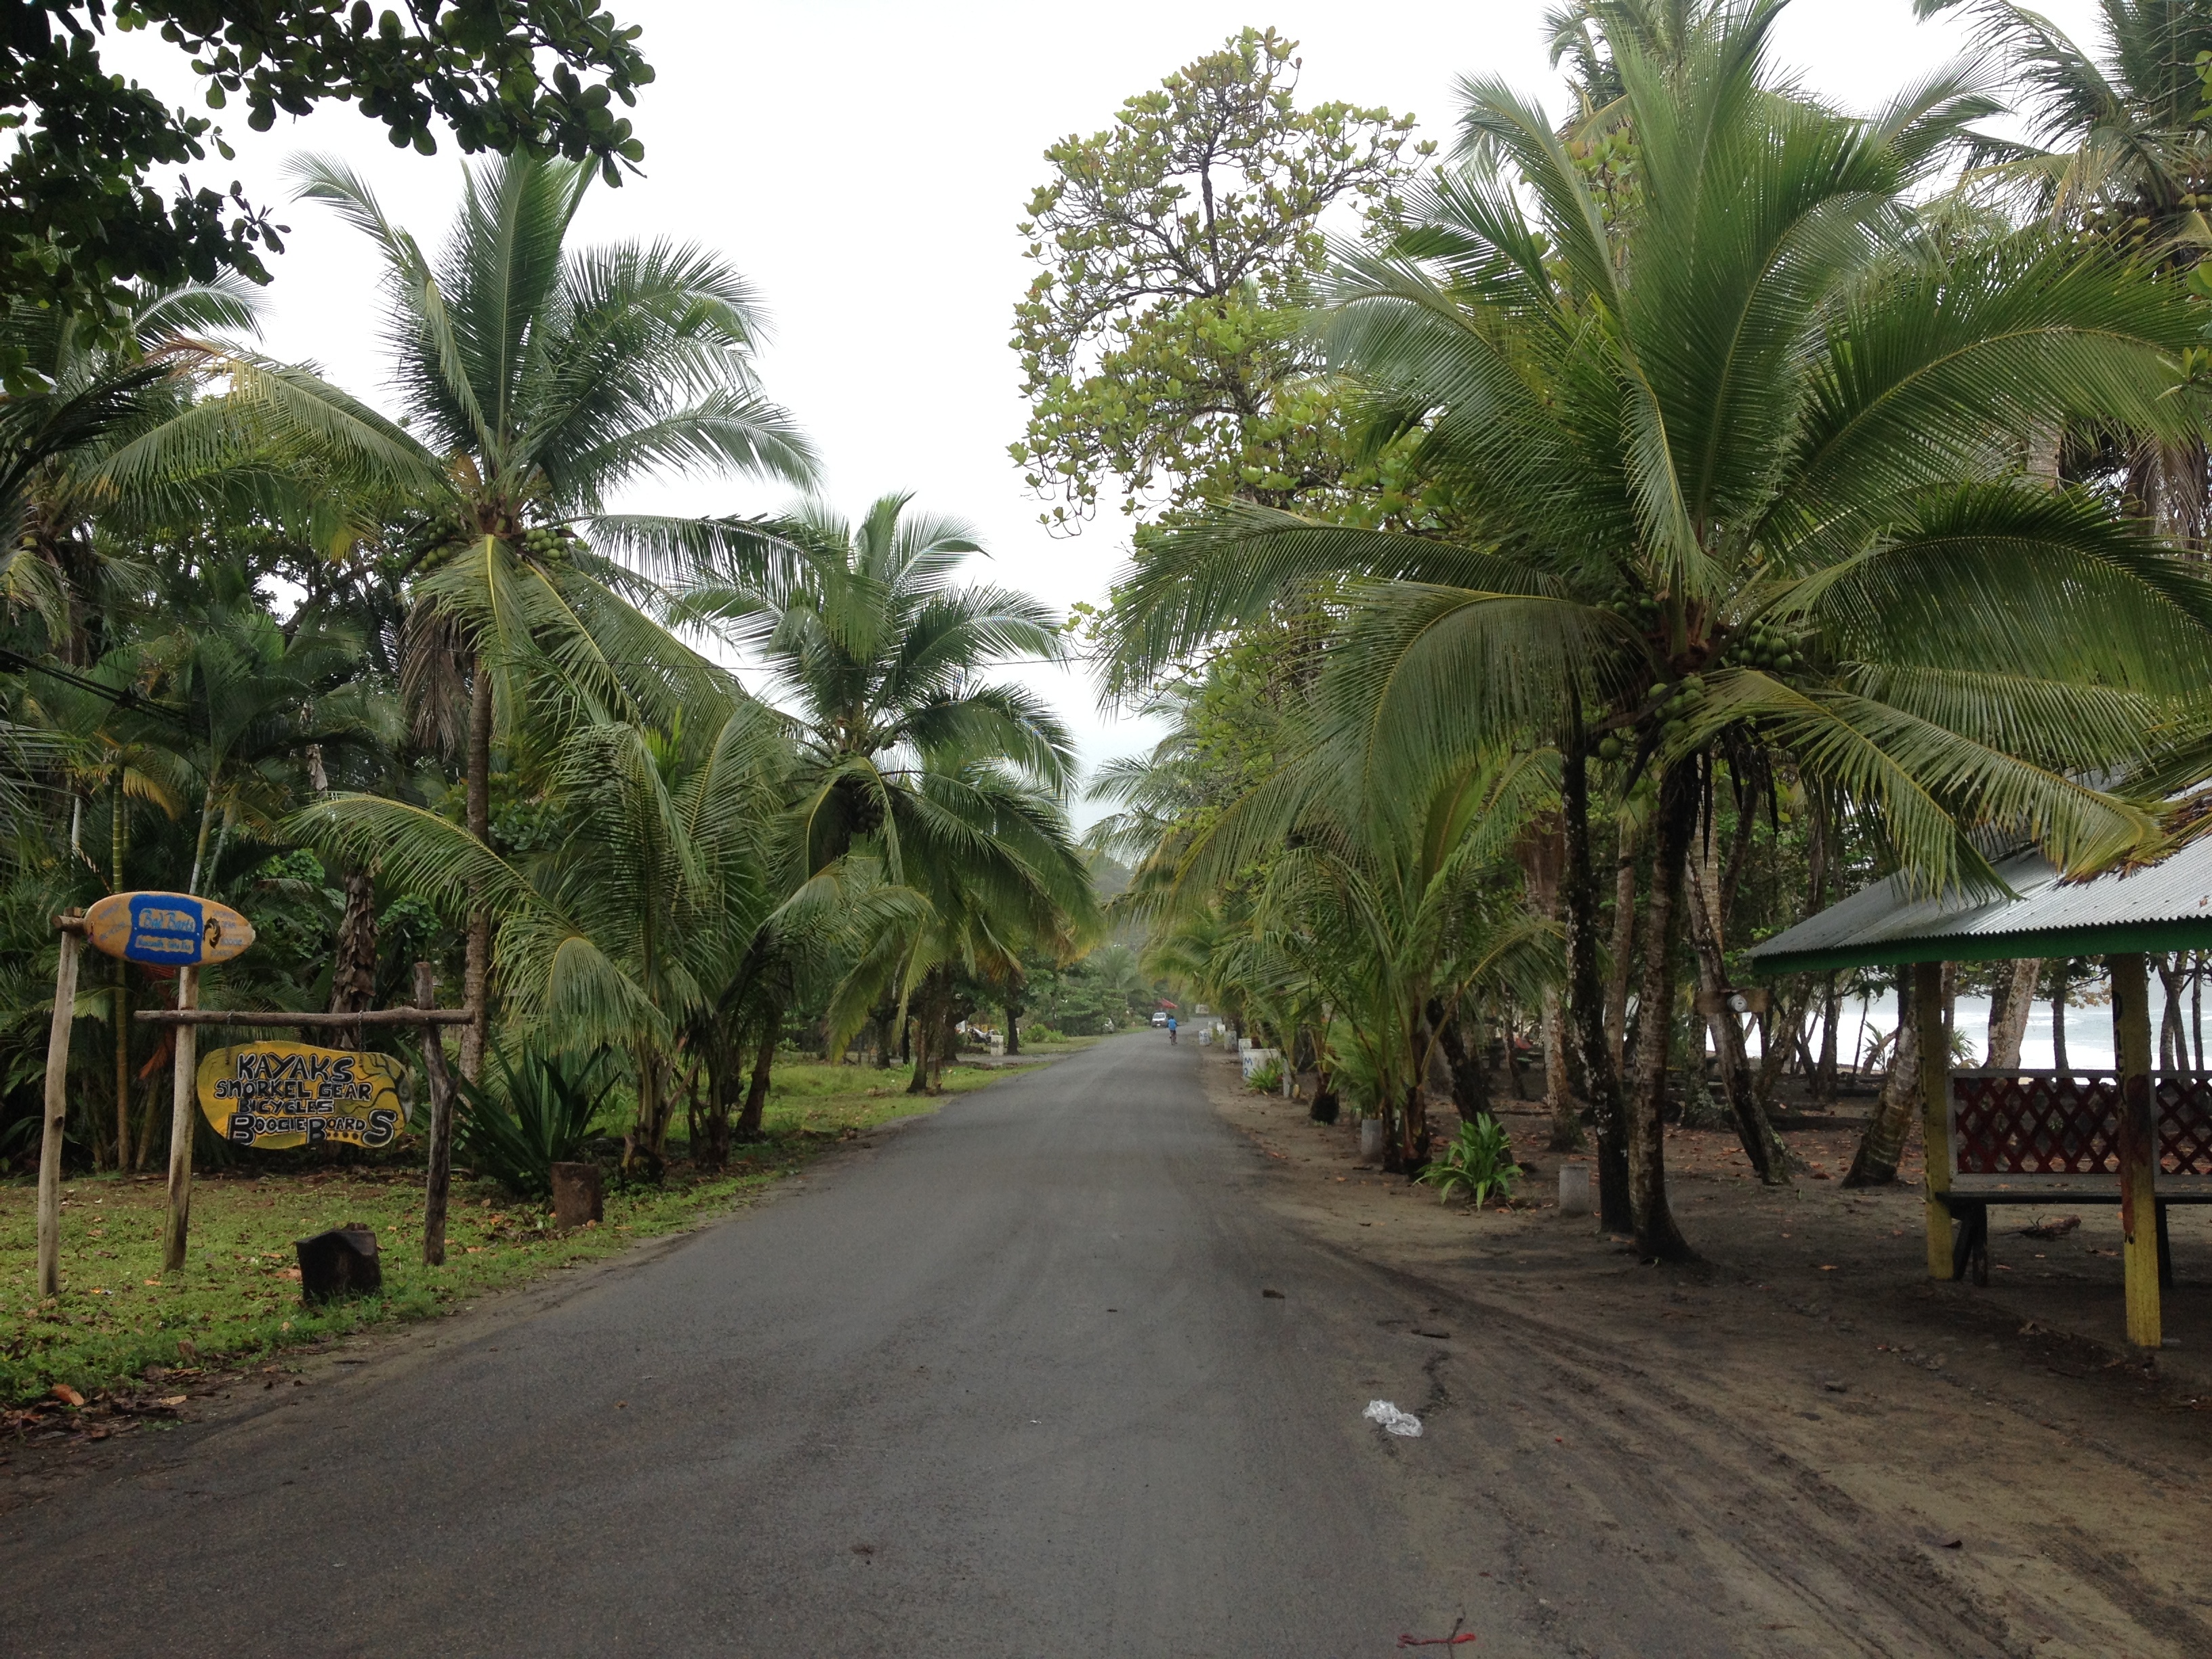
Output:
x=2042 y=1123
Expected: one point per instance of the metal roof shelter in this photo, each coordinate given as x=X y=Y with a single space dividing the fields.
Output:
x=2165 y=906
x=2002 y=1138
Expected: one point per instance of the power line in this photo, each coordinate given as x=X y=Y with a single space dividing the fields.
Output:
x=122 y=696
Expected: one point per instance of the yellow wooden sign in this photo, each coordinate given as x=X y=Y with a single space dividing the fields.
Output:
x=289 y=1094
x=166 y=930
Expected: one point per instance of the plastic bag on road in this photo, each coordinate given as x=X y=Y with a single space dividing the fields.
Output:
x=1392 y=1420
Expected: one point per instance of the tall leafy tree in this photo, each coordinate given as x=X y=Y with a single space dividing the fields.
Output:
x=1741 y=469
x=538 y=380
x=1162 y=341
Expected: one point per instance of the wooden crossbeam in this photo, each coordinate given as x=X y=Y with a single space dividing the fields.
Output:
x=372 y=1017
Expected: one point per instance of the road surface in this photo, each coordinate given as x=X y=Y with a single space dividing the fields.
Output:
x=1006 y=1381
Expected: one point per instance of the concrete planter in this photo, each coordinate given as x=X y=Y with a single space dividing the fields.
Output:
x=1574 y=1189
x=1370 y=1138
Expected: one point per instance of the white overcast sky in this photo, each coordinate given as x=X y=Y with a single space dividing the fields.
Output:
x=865 y=165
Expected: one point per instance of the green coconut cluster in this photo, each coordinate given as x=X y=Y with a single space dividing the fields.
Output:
x=1764 y=645
x=1640 y=609
x=547 y=542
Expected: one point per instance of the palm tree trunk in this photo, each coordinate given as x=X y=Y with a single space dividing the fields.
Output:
x=1823 y=1070
x=1875 y=1164
x=924 y=1030
x=1558 y=1092
x=353 y=974
x=755 y=1111
x=2064 y=974
x=477 y=976
x=1656 y=1235
x=2171 y=1051
x=2015 y=1000
x=200 y=841
x=1624 y=945
x=642 y=1143
x=1587 y=1007
x=722 y=1065
x=116 y=834
x=1013 y=1025
x=1897 y=1108
x=1768 y=1158
x=1412 y=1131
x=1470 y=1085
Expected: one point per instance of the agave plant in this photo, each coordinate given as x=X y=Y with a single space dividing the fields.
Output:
x=536 y=1109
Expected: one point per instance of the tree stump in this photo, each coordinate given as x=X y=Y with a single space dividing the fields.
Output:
x=339 y=1263
x=578 y=1195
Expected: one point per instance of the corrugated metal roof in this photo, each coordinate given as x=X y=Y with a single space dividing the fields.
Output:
x=2162 y=906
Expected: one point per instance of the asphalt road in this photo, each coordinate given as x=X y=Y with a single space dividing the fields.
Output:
x=1006 y=1382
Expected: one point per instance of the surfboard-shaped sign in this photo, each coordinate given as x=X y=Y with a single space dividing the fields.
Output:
x=166 y=930
x=289 y=1094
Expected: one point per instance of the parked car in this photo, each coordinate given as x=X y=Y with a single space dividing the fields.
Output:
x=1160 y=1019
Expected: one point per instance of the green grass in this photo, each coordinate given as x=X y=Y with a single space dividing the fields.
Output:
x=116 y=1314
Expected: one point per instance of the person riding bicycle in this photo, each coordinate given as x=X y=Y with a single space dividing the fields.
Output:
x=1171 y=1030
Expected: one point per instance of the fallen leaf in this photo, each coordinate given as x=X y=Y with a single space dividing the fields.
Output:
x=172 y=1401
x=68 y=1395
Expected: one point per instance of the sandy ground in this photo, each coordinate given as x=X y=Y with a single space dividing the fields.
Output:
x=1870 y=1462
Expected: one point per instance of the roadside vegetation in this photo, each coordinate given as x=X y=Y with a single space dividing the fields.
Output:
x=1563 y=552
x=402 y=687
x=1574 y=559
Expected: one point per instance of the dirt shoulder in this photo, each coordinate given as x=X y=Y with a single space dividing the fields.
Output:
x=1873 y=1462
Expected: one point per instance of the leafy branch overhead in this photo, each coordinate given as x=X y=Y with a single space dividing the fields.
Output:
x=1162 y=345
x=80 y=214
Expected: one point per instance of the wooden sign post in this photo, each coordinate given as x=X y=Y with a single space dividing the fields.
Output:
x=57 y=1108
x=438 y=1186
x=179 y=1224
x=187 y=933
x=441 y=1089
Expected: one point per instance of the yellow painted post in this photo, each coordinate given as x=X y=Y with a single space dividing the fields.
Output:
x=2138 y=1148
x=1935 y=1040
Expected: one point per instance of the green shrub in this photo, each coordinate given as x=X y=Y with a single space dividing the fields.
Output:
x=531 y=1112
x=1040 y=1032
x=1480 y=1160
x=1266 y=1077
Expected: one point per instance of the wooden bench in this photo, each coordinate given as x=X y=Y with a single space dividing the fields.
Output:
x=2044 y=1138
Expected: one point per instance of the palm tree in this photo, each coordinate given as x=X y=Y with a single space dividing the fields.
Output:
x=623 y=931
x=1741 y=476
x=881 y=655
x=936 y=782
x=538 y=381
x=2119 y=147
x=1379 y=918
